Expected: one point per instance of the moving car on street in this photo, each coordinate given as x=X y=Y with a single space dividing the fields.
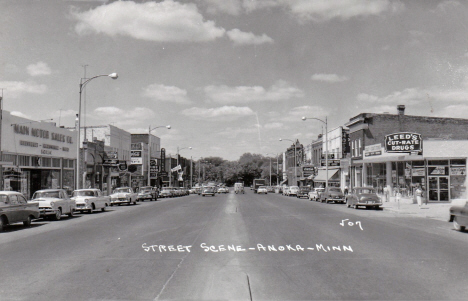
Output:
x=365 y=197
x=262 y=189
x=123 y=195
x=314 y=194
x=303 y=192
x=15 y=209
x=90 y=199
x=332 y=194
x=53 y=203
x=459 y=216
x=239 y=187
x=208 y=190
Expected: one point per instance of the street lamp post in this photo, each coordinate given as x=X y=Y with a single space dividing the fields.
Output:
x=149 y=149
x=82 y=85
x=326 y=144
x=295 y=158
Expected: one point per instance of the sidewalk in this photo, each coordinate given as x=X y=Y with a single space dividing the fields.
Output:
x=439 y=211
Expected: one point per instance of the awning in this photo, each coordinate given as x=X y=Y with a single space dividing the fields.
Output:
x=322 y=175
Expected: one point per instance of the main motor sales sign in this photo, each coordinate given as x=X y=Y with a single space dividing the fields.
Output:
x=403 y=142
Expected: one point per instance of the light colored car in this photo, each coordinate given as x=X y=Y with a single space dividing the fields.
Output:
x=285 y=190
x=314 y=195
x=293 y=190
x=365 y=197
x=53 y=203
x=166 y=192
x=262 y=189
x=208 y=190
x=90 y=199
x=15 y=209
x=147 y=193
x=123 y=195
x=223 y=190
x=459 y=216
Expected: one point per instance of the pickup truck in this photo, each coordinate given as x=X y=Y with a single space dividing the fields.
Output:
x=15 y=209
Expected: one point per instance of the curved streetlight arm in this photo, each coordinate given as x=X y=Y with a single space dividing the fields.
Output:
x=161 y=126
x=305 y=118
x=83 y=84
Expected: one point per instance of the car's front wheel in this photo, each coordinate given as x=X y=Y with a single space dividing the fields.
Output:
x=58 y=214
x=457 y=226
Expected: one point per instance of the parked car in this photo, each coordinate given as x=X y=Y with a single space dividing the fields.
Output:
x=208 y=190
x=15 y=209
x=303 y=192
x=459 y=216
x=262 y=189
x=147 y=193
x=53 y=203
x=123 y=195
x=293 y=190
x=285 y=190
x=223 y=190
x=314 y=195
x=90 y=199
x=332 y=194
x=363 y=196
x=166 y=192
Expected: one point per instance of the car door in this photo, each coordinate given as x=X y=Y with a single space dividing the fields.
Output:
x=16 y=211
x=101 y=202
x=65 y=202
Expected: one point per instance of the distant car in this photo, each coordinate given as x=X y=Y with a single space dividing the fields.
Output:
x=332 y=194
x=53 y=203
x=285 y=190
x=363 y=196
x=123 y=195
x=239 y=187
x=15 y=209
x=208 y=190
x=147 y=193
x=166 y=192
x=293 y=190
x=90 y=199
x=262 y=189
x=223 y=190
x=459 y=216
x=303 y=192
x=314 y=195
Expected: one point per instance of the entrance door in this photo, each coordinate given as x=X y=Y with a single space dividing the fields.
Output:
x=438 y=189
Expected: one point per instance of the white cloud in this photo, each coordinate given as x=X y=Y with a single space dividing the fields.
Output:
x=166 y=21
x=323 y=10
x=166 y=93
x=16 y=89
x=329 y=78
x=274 y=126
x=64 y=113
x=225 y=113
x=121 y=117
x=231 y=7
x=280 y=91
x=446 y=5
x=296 y=114
x=247 y=38
x=455 y=111
x=20 y=114
x=40 y=68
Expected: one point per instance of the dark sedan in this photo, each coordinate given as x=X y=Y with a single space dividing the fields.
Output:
x=15 y=209
x=364 y=197
x=459 y=216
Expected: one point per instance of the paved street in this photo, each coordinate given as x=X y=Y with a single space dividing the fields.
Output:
x=236 y=247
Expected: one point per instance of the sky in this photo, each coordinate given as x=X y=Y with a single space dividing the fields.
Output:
x=232 y=76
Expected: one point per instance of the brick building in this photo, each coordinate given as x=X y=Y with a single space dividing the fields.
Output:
x=402 y=152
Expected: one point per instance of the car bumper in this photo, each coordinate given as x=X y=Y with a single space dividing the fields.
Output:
x=47 y=211
x=80 y=207
x=369 y=204
x=120 y=201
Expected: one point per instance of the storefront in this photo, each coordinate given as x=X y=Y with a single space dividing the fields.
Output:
x=334 y=178
x=439 y=169
x=39 y=155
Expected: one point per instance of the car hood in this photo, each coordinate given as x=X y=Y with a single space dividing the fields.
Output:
x=120 y=195
x=45 y=201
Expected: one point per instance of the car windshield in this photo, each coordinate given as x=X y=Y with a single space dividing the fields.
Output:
x=365 y=190
x=294 y=187
x=83 y=193
x=335 y=189
x=122 y=190
x=145 y=190
x=262 y=187
x=46 y=194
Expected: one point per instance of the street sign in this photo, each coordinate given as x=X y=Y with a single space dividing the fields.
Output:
x=135 y=153
x=111 y=154
x=110 y=162
x=153 y=162
x=163 y=174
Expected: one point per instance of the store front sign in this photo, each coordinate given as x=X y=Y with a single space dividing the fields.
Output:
x=403 y=143
x=458 y=171
x=418 y=172
x=136 y=161
x=373 y=150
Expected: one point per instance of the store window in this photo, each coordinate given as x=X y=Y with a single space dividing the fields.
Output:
x=24 y=160
x=55 y=162
x=457 y=178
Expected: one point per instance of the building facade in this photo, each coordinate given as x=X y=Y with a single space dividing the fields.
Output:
x=400 y=153
x=36 y=155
